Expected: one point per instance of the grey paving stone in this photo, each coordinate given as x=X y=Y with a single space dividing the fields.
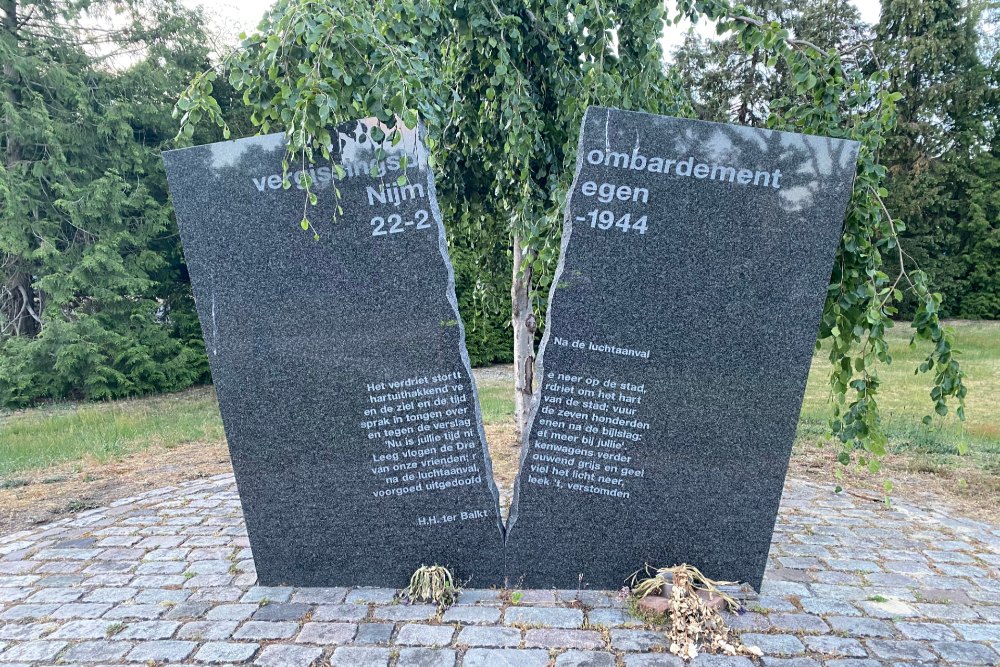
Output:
x=33 y=651
x=783 y=588
x=425 y=657
x=637 y=640
x=550 y=617
x=887 y=609
x=899 y=649
x=771 y=604
x=286 y=655
x=925 y=631
x=842 y=593
x=484 y=596
x=835 y=646
x=979 y=632
x=557 y=638
x=225 y=652
x=207 y=630
x=824 y=606
x=340 y=612
x=860 y=627
x=939 y=613
x=354 y=656
x=84 y=629
x=798 y=623
x=612 y=618
x=373 y=633
x=13 y=594
x=54 y=595
x=113 y=595
x=837 y=578
x=157 y=581
x=585 y=659
x=162 y=651
x=187 y=610
x=263 y=630
x=652 y=660
x=268 y=593
x=947 y=612
x=26 y=631
x=21 y=612
x=161 y=567
x=413 y=634
x=159 y=595
x=402 y=612
x=133 y=611
x=287 y=611
x=912 y=567
x=891 y=580
x=329 y=634
x=966 y=653
x=371 y=595
x=218 y=594
x=474 y=635
x=534 y=596
x=774 y=644
x=471 y=614
x=749 y=621
x=505 y=657
x=147 y=630
x=232 y=612
x=789 y=662
x=96 y=651
x=323 y=596
x=706 y=660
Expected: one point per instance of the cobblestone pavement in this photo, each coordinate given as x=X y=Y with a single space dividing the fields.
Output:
x=167 y=578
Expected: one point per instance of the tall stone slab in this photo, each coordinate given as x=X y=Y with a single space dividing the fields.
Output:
x=340 y=364
x=695 y=262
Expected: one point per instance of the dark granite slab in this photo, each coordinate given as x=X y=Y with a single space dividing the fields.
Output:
x=340 y=364
x=678 y=344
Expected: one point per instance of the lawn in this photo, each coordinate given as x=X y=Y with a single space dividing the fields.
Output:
x=61 y=435
x=905 y=400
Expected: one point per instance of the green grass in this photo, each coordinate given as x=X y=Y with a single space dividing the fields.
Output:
x=904 y=399
x=54 y=434
x=496 y=400
x=60 y=433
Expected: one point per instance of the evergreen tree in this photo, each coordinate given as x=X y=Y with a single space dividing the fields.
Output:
x=941 y=155
x=93 y=294
x=502 y=87
x=729 y=83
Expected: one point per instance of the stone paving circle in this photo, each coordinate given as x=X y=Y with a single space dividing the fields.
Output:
x=167 y=578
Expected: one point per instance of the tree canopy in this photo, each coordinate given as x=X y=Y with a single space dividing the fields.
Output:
x=502 y=88
x=93 y=299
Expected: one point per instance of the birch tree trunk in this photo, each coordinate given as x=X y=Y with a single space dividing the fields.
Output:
x=523 y=322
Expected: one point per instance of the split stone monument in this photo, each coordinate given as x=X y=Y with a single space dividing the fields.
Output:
x=340 y=365
x=684 y=310
x=694 y=267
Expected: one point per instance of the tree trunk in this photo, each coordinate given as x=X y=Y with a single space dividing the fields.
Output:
x=523 y=321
